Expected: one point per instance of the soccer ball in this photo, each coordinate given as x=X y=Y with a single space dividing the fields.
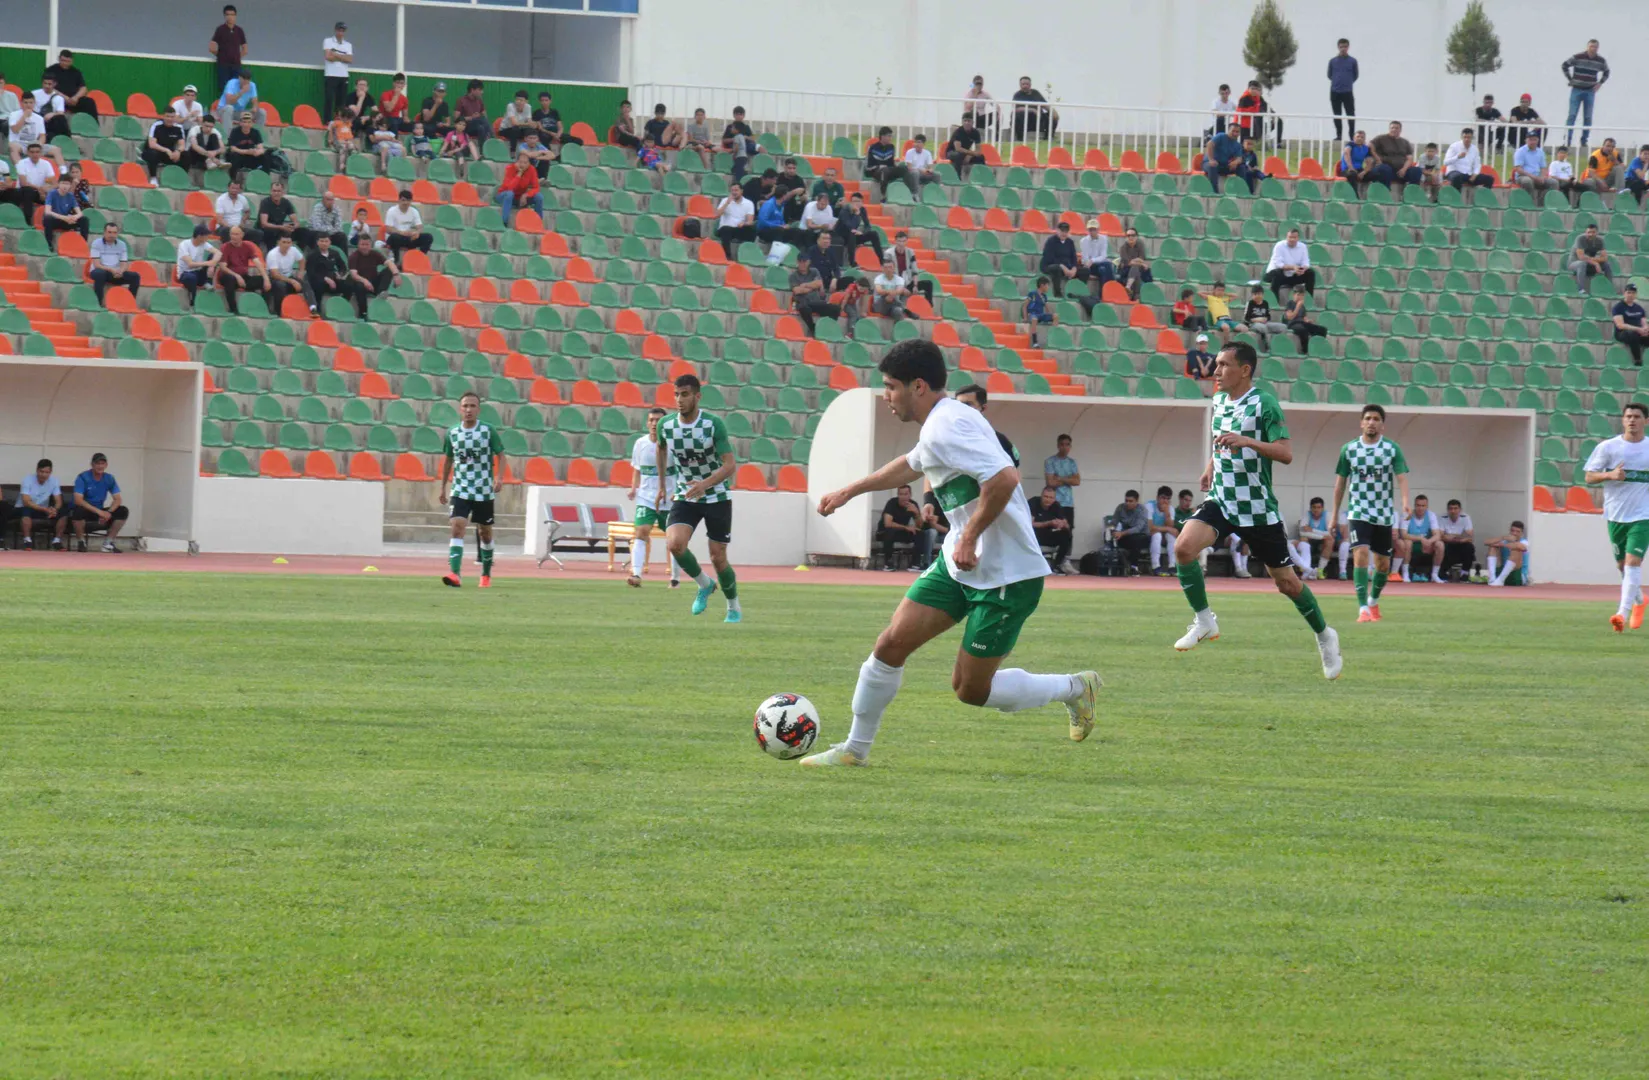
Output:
x=786 y=725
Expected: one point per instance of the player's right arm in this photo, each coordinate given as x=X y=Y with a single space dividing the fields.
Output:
x=888 y=478
x=1339 y=496
x=1207 y=479
x=1595 y=471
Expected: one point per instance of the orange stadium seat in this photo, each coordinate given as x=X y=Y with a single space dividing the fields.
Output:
x=1169 y=341
x=944 y=336
x=1143 y=318
x=411 y=467
x=1025 y=156
x=792 y=478
x=545 y=392
x=629 y=323
x=655 y=347
x=383 y=189
x=554 y=245
x=1579 y=501
x=586 y=392
x=679 y=368
x=541 y=471
x=842 y=378
x=1169 y=162
x=579 y=269
x=440 y=287
x=527 y=221
x=199 y=204
x=491 y=342
x=973 y=359
x=318 y=465
x=1097 y=159
x=1132 y=161
x=665 y=396
x=365 y=467
x=581 y=473
x=566 y=295
x=818 y=353
x=1310 y=169
x=464 y=194
x=585 y=132
x=140 y=106
x=92 y=171
x=464 y=314
x=790 y=328
x=374 y=385
x=105 y=104
x=517 y=366
x=305 y=116
x=484 y=291
x=958 y=218
x=146 y=327
x=321 y=335
x=1543 y=501
x=524 y=291
x=738 y=277
x=766 y=302
x=623 y=474
x=172 y=351
x=628 y=395
x=348 y=358
x=751 y=478
x=293 y=307
x=711 y=254
x=423 y=191
x=131 y=174
x=343 y=187
x=273 y=463
x=1058 y=158
x=272 y=115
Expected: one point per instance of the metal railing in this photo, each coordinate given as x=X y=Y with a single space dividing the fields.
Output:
x=810 y=123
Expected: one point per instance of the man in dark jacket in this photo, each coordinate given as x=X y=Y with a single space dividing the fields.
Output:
x=1059 y=258
x=853 y=228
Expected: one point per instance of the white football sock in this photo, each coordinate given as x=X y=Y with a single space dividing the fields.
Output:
x=1302 y=555
x=1494 y=561
x=1013 y=689
x=638 y=556
x=1239 y=561
x=704 y=580
x=1345 y=556
x=733 y=605
x=1397 y=568
x=1631 y=587
x=675 y=569
x=1156 y=549
x=878 y=683
x=1505 y=572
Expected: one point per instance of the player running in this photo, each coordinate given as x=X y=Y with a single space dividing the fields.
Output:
x=990 y=573
x=1249 y=434
x=651 y=499
x=472 y=451
x=1373 y=471
x=1621 y=465
x=693 y=446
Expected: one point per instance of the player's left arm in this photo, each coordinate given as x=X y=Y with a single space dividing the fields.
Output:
x=729 y=465
x=889 y=477
x=993 y=499
x=446 y=469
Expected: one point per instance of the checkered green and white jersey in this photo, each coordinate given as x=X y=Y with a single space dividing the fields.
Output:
x=694 y=452
x=471 y=451
x=1242 y=478
x=1371 y=471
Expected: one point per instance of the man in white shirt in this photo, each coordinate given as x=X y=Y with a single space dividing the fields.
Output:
x=197 y=262
x=406 y=226
x=36 y=171
x=1462 y=166
x=1621 y=465
x=1455 y=528
x=9 y=103
x=27 y=128
x=818 y=217
x=990 y=575
x=889 y=291
x=189 y=110
x=736 y=219
x=232 y=208
x=919 y=162
x=40 y=498
x=1093 y=258
x=52 y=106
x=1563 y=171
x=1223 y=109
x=284 y=263
x=1290 y=265
x=110 y=263
x=338 y=54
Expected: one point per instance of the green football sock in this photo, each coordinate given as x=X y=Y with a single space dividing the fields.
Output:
x=486 y=559
x=455 y=556
x=1307 y=605
x=1190 y=579
x=1379 y=584
x=1360 y=576
x=729 y=582
x=689 y=563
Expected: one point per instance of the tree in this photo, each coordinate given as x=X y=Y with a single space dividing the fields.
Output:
x=1270 y=47
x=1473 y=46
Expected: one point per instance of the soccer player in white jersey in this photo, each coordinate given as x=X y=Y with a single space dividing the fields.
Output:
x=990 y=572
x=652 y=502
x=1621 y=465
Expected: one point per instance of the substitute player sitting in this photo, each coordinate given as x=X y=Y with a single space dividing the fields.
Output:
x=1508 y=557
x=693 y=447
x=472 y=451
x=652 y=502
x=1621 y=465
x=1249 y=434
x=1371 y=470
x=989 y=574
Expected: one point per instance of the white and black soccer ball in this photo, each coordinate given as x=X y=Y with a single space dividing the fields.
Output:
x=786 y=725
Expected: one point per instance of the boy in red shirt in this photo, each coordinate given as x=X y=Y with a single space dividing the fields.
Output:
x=519 y=187
x=393 y=104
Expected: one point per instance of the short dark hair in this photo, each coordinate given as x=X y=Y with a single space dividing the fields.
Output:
x=912 y=359
x=100 y=456
x=690 y=381
x=1062 y=438
x=404 y=193
x=976 y=390
x=1342 y=41
x=1316 y=500
x=1371 y=407
x=1185 y=493
x=469 y=393
x=655 y=411
x=1244 y=352
x=659 y=109
x=1638 y=407
x=738 y=110
x=1165 y=490
x=1130 y=494
x=476 y=84
x=1225 y=86
x=883 y=130
x=227 y=8
x=65 y=54
x=1041 y=281
x=1454 y=502
x=1417 y=498
x=790 y=161
x=1519 y=525
x=43 y=463
x=522 y=93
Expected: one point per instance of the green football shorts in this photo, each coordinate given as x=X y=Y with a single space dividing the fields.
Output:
x=991 y=618
x=1629 y=538
x=646 y=515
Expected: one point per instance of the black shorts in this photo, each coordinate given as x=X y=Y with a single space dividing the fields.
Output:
x=475 y=511
x=717 y=518
x=1377 y=538
x=1267 y=543
x=80 y=513
x=33 y=513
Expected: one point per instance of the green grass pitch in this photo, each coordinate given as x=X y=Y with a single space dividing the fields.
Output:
x=370 y=827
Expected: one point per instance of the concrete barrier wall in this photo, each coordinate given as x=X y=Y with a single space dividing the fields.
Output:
x=289 y=517
x=769 y=528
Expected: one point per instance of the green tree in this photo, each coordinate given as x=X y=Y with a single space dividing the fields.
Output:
x=1474 y=47
x=1270 y=47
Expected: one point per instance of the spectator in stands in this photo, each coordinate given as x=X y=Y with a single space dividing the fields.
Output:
x=385 y=141
x=1131 y=529
x=111 y=262
x=1053 y=529
x=1508 y=553
x=284 y=263
x=336 y=55
x=240 y=95
x=340 y=135
x=404 y=227
x=327 y=274
x=1430 y=164
x=277 y=217
x=1222 y=110
x=737 y=219
x=1455 y=530
x=205 y=151
x=1299 y=324
x=1421 y=534
x=41 y=499
x=1184 y=314
x=1524 y=114
x=699 y=140
x=1602 y=168
x=1586 y=72
x=246 y=149
x=197 y=262
x=1133 y=268
x=393 y=104
x=232 y=209
x=808 y=297
x=831 y=187
x=37 y=173
x=935 y=526
x=1317 y=536
x=470 y=114
x=1163 y=532
x=1630 y=328
x=817 y=216
x=71 y=83
x=1590 y=259
x=82 y=187
x=737 y=139
x=1490 y=133
x=979 y=107
x=758 y=189
x=240 y=268
x=666 y=133
x=435 y=113
x=976 y=398
x=1037 y=117
x=228 y=47
x=1563 y=172
x=24 y=197
x=540 y=155
x=650 y=156
x=1357 y=162
x=1342 y=79
x=827 y=262
x=963 y=149
x=919 y=165
x=97 y=503
x=853 y=228
x=623 y=130
x=1094 y=264
x=1393 y=158
x=546 y=119
x=791 y=191
x=1199 y=362
x=1256 y=315
x=1251 y=160
x=517 y=120
x=770 y=224
x=419 y=145
x=52 y=106
x=1290 y=266
x=325 y=219
x=361 y=107
x=901 y=524
x=518 y=187
x=373 y=272
x=883 y=166
x=1035 y=311
x=1529 y=170
x=1060 y=472
x=28 y=131
x=1222 y=156
x=904 y=264
x=1637 y=174
x=1462 y=166
x=1059 y=258
x=1218 y=305
x=889 y=291
x=1251 y=111
x=62 y=214
x=164 y=146
x=9 y=103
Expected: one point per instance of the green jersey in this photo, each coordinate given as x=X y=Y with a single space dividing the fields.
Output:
x=471 y=451
x=1371 y=471
x=1242 y=478
x=695 y=451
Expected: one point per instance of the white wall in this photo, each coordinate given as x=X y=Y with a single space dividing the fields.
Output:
x=289 y=517
x=769 y=528
x=1565 y=549
x=1158 y=54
